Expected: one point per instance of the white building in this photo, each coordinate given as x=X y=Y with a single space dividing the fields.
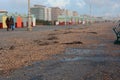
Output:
x=48 y=14
x=42 y=12
x=38 y=11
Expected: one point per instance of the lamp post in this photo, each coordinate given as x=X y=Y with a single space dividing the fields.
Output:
x=65 y=17
x=90 y=11
x=29 y=17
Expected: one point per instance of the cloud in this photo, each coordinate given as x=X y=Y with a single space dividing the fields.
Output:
x=58 y=3
x=108 y=14
x=81 y=3
x=98 y=3
x=116 y=6
x=104 y=3
x=99 y=7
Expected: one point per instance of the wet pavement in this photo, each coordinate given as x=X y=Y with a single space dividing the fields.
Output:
x=73 y=64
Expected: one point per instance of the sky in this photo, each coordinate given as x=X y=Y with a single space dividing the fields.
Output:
x=98 y=7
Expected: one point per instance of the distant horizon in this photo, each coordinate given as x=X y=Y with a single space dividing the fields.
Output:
x=110 y=8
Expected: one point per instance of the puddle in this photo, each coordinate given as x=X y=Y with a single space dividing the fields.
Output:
x=40 y=77
x=99 y=45
x=96 y=59
x=83 y=51
x=89 y=55
x=116 y=51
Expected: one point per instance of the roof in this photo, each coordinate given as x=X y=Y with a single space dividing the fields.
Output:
x=3 y=11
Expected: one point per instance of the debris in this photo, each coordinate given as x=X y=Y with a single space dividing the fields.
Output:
x=12 y=47
x=93 y=32
x=52 y=38
x=74 y=42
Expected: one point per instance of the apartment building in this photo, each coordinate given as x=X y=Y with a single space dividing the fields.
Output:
x=67 y=12
x=48 y=14
x=38 y=11
x=55 y=12
x=41 y=12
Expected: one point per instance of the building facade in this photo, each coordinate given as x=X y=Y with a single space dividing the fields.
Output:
x=48 y=14
x=51 y=13
x=38 y=11
x=67 y=12
x=55 y=12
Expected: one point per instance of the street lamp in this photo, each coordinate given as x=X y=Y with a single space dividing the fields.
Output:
x=29 y=17
x=90 y=8
x=90 y=11
x=65 y=17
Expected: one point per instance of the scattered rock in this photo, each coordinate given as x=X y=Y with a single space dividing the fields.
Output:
x=55 y=42
x=40 y=43
x=37 y=41
x=52 y=38
x=12 y=47
x=56 y=30
x=74 y=42
x=1 y=48
x=93 y=32
x=51 y=34
x=43 y=44
x=68 y=32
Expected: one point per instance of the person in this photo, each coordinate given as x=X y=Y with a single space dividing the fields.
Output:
x=8 y=23
x=12 y=23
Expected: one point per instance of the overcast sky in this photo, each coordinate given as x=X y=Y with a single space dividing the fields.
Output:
x=99 y=7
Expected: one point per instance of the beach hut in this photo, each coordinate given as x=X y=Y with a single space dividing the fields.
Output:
x=3 y=14
x=61 y=20
x=4 y=17
x=33 y=21
x=76 y=20
x=25 y=19
x=73 y=20
x=19 y=22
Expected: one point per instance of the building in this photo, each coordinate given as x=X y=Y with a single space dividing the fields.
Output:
x=75 y=13
x=41 y=12
x=38 y=11
x=3 y=11
x=67 y=12
x=51 y=13
x=55 y=12
x=48 y=14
